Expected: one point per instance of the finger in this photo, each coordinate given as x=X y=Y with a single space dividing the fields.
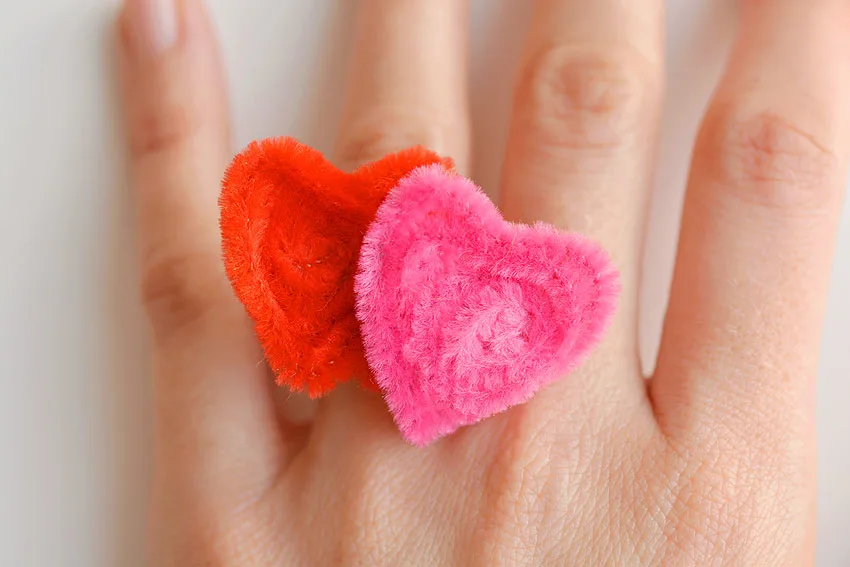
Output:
x=214 y=415
x=742 y=331
x=407 y=87
x=407 y=81
x=581 y=142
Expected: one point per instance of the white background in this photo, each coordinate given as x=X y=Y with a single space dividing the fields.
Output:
x=74 y=399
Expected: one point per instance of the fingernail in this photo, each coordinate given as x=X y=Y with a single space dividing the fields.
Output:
x=151 y=26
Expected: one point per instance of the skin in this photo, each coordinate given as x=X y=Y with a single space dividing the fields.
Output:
x=710 y=461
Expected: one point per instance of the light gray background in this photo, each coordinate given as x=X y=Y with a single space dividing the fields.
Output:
x=75 y=403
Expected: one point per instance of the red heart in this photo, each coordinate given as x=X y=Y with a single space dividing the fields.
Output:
x=292 y=225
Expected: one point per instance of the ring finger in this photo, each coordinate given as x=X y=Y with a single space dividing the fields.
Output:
x=407 y=87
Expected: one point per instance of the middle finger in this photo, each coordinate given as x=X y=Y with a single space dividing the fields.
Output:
x=582 y=136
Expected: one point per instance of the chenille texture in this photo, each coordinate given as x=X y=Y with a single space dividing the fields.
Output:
x=463 y=314
x=292 y=225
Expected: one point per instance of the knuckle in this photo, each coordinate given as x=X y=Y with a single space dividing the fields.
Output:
x=176 y=293
x=589 y=98
x=772 y=160
x=370 y=513
x=388 y=131
x=162 y=127
x=717 y=494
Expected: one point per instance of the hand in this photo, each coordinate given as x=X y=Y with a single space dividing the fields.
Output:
x=709 y=462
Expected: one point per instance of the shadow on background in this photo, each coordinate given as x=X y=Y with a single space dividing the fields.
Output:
x=127 y=393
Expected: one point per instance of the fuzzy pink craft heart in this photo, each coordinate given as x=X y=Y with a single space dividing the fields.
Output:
x=463 y=314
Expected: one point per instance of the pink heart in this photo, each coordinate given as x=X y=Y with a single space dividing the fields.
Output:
x=463 y=314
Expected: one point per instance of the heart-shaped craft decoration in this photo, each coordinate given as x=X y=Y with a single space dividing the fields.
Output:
x=463 y=314
x=291 y=226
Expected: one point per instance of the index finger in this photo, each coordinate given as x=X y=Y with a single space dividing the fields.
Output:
x=742 y=334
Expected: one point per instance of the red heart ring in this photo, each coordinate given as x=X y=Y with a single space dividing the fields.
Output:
x=292 y=225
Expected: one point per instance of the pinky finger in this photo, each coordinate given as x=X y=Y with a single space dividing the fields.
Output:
x=211 y=392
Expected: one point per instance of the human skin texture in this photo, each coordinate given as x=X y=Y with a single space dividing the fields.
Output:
x=710 y=461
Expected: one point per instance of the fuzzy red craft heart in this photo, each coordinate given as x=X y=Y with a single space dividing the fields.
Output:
x=465 y=315
x=292 y=225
